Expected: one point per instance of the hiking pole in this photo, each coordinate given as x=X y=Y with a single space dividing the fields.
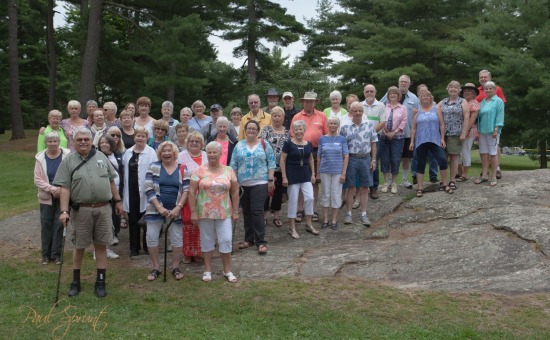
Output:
x=61 y=264
x=167 y=224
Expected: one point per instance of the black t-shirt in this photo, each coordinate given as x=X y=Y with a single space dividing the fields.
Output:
x=289 y=114
x=128 y=140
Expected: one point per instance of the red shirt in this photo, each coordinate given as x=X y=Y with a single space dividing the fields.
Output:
x=482 y=95
x=316 y=126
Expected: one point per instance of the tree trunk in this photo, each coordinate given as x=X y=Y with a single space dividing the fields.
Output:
x=542 y=153
x=51 y=55
x=91 y=55
x=17 y=129
x=171 y=90
x=251 y=47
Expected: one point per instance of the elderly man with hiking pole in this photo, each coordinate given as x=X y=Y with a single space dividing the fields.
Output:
x=86 y=179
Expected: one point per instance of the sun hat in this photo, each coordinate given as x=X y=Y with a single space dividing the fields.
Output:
x=310 y=95
x=469 y=86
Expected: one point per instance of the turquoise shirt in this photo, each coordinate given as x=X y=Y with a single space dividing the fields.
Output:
x=491 y=115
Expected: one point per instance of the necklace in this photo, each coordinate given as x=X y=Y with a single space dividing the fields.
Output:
x=301 y=152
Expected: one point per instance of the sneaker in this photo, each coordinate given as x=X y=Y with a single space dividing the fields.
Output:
x=384 y=188
x=100 y=289
x=406 y=184
x=74 y=290
x=356 y=204
x=365 y=220
x=394 y=188
x=348 y=219
x=115 y=240
x=111 y=254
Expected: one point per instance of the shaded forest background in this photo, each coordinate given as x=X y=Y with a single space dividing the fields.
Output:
x=119 y=50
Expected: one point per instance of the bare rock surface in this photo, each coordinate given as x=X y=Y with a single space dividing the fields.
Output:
x=479 y=238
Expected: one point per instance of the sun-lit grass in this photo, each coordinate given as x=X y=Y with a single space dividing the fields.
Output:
x=17 y=189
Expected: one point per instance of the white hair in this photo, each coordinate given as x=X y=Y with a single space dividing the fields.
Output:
x=213 y=144
x=221 y=120
x=335 y=94
x=82 y=131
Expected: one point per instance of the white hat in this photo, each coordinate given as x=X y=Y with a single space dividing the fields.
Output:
x=288 y=94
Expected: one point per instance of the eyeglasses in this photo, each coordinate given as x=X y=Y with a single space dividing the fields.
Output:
x=79 y=140
x=253 y=103
x=251 y=129
x=194 y=142
x=115 y=135
x=369 y=91
x=160 y=129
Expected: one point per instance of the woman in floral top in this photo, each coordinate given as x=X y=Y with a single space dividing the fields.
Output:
x=276 y=134
x=214 y=203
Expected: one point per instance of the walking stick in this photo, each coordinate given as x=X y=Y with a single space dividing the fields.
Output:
x=62 y=261
x=167 y=224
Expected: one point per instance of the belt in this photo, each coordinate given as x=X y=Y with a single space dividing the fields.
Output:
x=94 y=205
x=359 y=155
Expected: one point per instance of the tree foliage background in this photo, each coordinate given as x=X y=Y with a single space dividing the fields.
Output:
x=161 y=49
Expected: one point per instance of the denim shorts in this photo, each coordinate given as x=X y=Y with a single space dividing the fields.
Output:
x=359 y=167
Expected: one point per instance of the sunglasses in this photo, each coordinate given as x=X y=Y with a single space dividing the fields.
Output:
x=115 y=135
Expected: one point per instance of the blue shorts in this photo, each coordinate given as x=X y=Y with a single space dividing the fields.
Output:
x=359 y=168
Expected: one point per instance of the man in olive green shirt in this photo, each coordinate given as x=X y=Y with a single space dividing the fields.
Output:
x=90 y=189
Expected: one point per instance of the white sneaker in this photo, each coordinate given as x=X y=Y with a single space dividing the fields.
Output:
x=356 y=204
x=394 y=188
x=348 y=219
x=384 y=188
x=406 y=184
x=111 y=254
x=115 y=241
x=365 y=221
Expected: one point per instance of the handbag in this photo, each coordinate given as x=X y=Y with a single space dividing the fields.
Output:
x=186 y=210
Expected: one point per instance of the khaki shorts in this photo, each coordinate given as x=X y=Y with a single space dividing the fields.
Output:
x=454 y=145
x=92 y=224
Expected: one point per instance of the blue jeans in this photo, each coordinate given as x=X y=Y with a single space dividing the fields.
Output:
x=390 y=151
x=437 y=151
x=431 y=161
x=51 y=230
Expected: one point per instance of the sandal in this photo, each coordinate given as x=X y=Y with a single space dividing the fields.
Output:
x=207 y=276
x=123 y=223
x=262 y=249
x=334 y=226
x=493 y=182
x=277 y=222
x=315 y=217
x=460 y=178
x=325 y=225
x=419 y=193
x=154 y=275
x=310 y=229
x=45 y=261
x=481 y=180
x=452 y=184
x=299 y=216
x=449 y=189
x=177 y=274
x=245 y=244
x=230 y=277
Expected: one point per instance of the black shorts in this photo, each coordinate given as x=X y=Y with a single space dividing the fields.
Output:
x=406 y=152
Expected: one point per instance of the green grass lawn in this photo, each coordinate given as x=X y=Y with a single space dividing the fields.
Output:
x=341 y=308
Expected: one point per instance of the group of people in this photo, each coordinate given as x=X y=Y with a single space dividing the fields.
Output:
x=106 y=173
